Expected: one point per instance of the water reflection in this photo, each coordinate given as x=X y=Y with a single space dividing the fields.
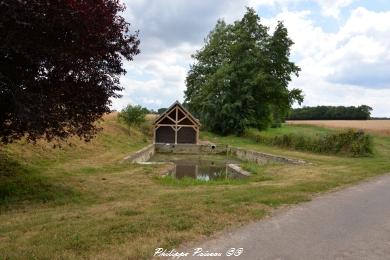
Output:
x=204 y=168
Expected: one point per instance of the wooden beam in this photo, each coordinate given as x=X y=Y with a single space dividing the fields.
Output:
x=160 y=119
x=176 y=125
x=165 y=125
x=173 y=120
x=191 y=126
x=165 y=115
x=186 y=114
x=154 y=134
x=171 y=109
x=197 y=135
x=185 y=118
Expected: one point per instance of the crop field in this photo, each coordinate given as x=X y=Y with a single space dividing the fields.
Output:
x=375 y=126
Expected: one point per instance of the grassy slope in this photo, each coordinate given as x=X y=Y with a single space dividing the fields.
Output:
x=81 y=201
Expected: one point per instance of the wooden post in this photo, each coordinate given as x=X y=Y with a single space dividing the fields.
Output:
x=154 y=133
x=197 y=135
x=176 y=126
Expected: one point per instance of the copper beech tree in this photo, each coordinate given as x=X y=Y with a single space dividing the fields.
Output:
x=60 y=63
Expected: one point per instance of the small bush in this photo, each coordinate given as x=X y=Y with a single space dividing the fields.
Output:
x=133 y=115
x=349 y=142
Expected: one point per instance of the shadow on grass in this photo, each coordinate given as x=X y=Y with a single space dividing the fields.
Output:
x=23 y=184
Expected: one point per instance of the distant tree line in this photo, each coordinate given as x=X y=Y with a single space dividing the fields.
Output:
x=161 y=110
x=379 y=118
x=331 y=113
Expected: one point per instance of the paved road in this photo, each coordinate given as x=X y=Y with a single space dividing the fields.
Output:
x=353 y=223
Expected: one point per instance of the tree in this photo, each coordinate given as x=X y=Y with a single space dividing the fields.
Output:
x=241 y=75
x=60 y=64
x=362 y=112
x=133 y=115
x=161 y=110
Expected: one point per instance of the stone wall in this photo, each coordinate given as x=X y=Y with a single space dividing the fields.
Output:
x=142 y=155
x=146 y=153
x=191 y=148
x=236 y=169
x=261 y=158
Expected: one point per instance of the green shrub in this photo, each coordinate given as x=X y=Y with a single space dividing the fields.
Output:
x=133 y=115
x=349 y=142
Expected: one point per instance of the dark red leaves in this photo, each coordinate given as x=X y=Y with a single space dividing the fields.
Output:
x=60 y=62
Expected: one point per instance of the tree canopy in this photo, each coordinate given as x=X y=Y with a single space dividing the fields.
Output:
x=60 y=64
x=362 y=112
x=161 y=110
x=240 y=77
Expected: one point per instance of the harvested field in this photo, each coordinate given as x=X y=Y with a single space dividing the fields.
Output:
x=151 y=117
x=375 y=126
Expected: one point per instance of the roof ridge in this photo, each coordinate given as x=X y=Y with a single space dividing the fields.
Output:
x=177 y=103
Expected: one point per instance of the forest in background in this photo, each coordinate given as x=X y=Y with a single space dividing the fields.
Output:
x=362 y=112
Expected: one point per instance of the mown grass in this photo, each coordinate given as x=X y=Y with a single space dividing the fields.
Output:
x=81 y=201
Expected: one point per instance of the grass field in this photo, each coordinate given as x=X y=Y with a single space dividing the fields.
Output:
x=82 y=201
x=374 y=126
x=310 y=138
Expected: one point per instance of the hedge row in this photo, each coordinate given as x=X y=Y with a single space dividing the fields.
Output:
x=348 y=142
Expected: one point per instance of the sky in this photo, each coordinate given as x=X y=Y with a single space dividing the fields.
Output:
x=342 y=47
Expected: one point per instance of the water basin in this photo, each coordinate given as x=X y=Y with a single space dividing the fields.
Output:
x=213 y=167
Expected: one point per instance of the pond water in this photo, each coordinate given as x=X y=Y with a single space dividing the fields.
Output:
x=205 y=168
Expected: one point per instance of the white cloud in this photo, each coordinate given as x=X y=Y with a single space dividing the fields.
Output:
x=329 y=8
x=170 y=32
x=332 y=7
x=349 y=66
x=280 y=3
x=362 y=56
